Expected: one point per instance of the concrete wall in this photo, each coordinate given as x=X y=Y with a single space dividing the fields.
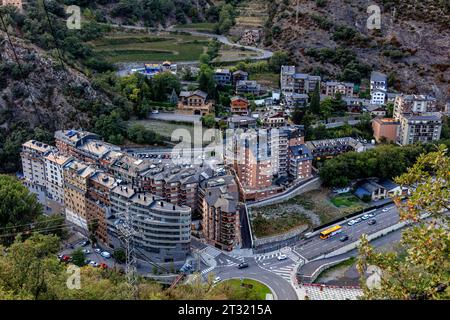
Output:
x=310 y=185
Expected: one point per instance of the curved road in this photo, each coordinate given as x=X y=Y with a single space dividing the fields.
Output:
x=263 y=54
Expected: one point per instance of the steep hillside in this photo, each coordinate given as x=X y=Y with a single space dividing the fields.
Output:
x=149 y=13
x=40 y=94
x=413 y=45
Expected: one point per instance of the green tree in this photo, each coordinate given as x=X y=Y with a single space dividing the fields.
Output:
x=119 y=255
x=18 y=207
x=206 y=80
x=78 y=257
x=421 y=268
x=278 y=59
x=209 y=120
x=163 y=85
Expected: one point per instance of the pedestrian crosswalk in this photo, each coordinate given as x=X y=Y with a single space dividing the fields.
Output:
x=285 y=272
x=268 y=256
x=213 y=252
x=291 y=255
x=208 y=270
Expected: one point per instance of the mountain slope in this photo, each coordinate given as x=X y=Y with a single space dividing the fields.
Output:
x=413 y=44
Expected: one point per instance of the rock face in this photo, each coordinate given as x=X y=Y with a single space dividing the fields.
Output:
x=41 y=92
x=413 y=43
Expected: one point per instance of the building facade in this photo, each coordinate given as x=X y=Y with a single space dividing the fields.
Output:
x=219 y=202
x=195 y=103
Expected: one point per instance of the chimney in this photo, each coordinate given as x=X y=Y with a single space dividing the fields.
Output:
x=145 y=198
x=173 y=207
x=139 y=196
x=162 y=204
x=126 y=189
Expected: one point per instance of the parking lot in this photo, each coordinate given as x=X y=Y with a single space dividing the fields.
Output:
x=94 y=256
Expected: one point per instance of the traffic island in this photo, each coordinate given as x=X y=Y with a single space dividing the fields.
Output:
x=247 y=289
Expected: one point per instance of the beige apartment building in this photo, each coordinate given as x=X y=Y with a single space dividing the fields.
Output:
x=332 y=88
x=76 y=182
x=419 y=128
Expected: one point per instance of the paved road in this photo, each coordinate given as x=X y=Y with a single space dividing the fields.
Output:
x=315 y=246
x=388 y=240
x=263 y=54
x=281 y=288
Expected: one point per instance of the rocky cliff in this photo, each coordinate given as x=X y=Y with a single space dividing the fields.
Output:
x=413 y=45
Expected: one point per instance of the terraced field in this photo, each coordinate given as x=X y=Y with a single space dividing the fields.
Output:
x=252 y=14
x=131 y=47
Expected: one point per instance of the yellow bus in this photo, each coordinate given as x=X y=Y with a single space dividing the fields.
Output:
x=330 y=232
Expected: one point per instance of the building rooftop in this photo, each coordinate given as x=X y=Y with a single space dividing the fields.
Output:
x=73 y=137
x=200 y=93
x=97 y=148
x=38 y=146
x=126 y=191
x=104 y=179
x=57 y=158
x=301 y=151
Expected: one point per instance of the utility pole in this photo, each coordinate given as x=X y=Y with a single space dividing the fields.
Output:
x=127 y=233
x=296 y=14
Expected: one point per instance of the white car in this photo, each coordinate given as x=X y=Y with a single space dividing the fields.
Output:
x=86 y=251
x=365 y=217
x=386 y=209
x=93 y=263
x=106 y=254
x=282 y=257
x=351 y=222
x=155 y=111
x=217 y=280
x=97 y=250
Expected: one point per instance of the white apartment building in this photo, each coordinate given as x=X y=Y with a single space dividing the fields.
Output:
x=416 y=104
x=378 y=87
x=54 y=164
x=33 y=153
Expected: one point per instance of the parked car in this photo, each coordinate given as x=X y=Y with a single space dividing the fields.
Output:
x=217 y=280
x=343 y=238
x=351 y=222
x=371 y=215
x=242 y=265
x=66 y=258
x=365 y=217
x=97 y=250
x=372 y=222
x=85 y=243
x=282 y=257
x=86 y=251
x=103 y=266
x=93 y=263
x=386 y=209
x=358 y=220
x=106 y=254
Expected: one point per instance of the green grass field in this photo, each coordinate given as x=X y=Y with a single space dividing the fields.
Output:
x=163 y=128
x=204 y=26
x=258 y=291
x=124 y=47
x=345 y=200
